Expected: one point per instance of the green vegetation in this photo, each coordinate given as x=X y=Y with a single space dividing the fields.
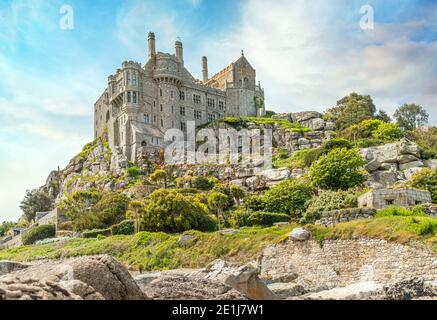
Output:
x=289 y=196
x=339 y=169
x=411 y=116
x=93 y=209
x=157 y=251
x=125 y=227
x=96 y=233
x=426 y=179
x=372 y=132
x=242 y=122
x=328 y=200
x=427 y=140
x=36 y=201
x=391 y=211
x=39 y=233
x=351 y=110
x=5 y=227
x=266 y=218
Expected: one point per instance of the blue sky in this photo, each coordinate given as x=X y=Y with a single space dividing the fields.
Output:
x=308 y=54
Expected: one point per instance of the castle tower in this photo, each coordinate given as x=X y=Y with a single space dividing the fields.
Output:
x=204 y=69
x=179 y=51
x=151 y=45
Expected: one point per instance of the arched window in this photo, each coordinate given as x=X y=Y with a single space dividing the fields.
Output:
x=107 y=116
x=240 y=83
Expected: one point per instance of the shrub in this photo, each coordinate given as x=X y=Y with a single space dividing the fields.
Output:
x=266 y=218
x=238 y=218
x=171 y=211
x=125 y=227
x=329 y=200
x=254 y=203
x=39 y=233
x=203 y=183
x=426 y=179
x=96 y=232
x=289 y=196
x=371 y=131
x=134 y=172
x=399 y=211
x=339 y=169
x=427 y=140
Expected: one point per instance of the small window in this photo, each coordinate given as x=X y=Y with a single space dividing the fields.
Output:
x=127 y=78
x=161 y=107
x=183 y=126
x=160 y=92
x=146 y=118
x=134 y=97
x=196 y=98
x=389 y=202
x=129 y=99
x=182 y=111
x=162 y=123
x=143 y=143
x=181 y=95
x=171 y=93
x=418 y=202
x=134 y=78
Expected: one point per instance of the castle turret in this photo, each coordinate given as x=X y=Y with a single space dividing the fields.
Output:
x=151 y=45
x=204 y=69
x=179 y=51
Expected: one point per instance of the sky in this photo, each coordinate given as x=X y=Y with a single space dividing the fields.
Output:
x=307 y=54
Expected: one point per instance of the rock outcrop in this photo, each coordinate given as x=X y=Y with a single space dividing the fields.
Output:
x=11 y=266
x=91 y=278
x=392 y=163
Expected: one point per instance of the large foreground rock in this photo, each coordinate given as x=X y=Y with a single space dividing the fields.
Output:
x=242 y=278
x=11 y=266
x=34 y=290
x=93 y=277
x=183 y=287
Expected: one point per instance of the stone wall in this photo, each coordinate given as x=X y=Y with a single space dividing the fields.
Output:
x=343 y=215
x=342 y=262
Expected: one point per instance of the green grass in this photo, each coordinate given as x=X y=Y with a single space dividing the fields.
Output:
x=157 y=251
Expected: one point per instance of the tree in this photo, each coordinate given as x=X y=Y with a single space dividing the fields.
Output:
x=36 y=201
x=237 y=193
x=341 y=168
x=162 y=176
x=426 y=138
x=383 y=116
x=289 y=197
x=5 y=227
x=137 y=208
x=411 y=116
x=217 y=201
x=352 y=109
x=426 y=179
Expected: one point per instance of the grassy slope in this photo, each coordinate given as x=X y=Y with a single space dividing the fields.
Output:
x=161 y=251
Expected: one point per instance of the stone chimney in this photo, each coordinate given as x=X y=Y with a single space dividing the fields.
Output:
x=151 y=45
x=179 y=51
x=204 y=69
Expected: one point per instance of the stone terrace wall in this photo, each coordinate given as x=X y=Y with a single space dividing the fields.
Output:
x=342 y=262
x=343 y=215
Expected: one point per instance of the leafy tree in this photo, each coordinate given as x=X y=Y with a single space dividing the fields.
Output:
x=111 y=208
x=352 y=109
x=171 y=211
x=426 y=179
x=217 y=201
x=203 y=183
x=411 y=116
x=341 y=168
x=36 y=201
x=237 y=193
x=289 y=197
x=427 y=140
x=383 y=116
x=372 y=129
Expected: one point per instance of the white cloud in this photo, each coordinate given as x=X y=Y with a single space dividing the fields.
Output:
x=308 y=55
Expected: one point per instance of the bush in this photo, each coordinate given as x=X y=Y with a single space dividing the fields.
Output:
x=399 y=211
x=39 y=233
x=126 y=227
x=203 y=183
x=171 y=211
x=289 y=196
x=427 y=140
x=254 y=203
x=96 y=232
x=238 y=218
x=134 y=172
x=339 y=169
x=266 y=218
x=329 y=200
x=369 y=132
x=426 y=179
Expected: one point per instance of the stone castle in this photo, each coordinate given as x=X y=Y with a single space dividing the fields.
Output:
x=141 y=102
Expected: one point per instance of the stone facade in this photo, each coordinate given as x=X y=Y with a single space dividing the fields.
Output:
x=141 y=103
x=405 y=197
x=339 y=263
